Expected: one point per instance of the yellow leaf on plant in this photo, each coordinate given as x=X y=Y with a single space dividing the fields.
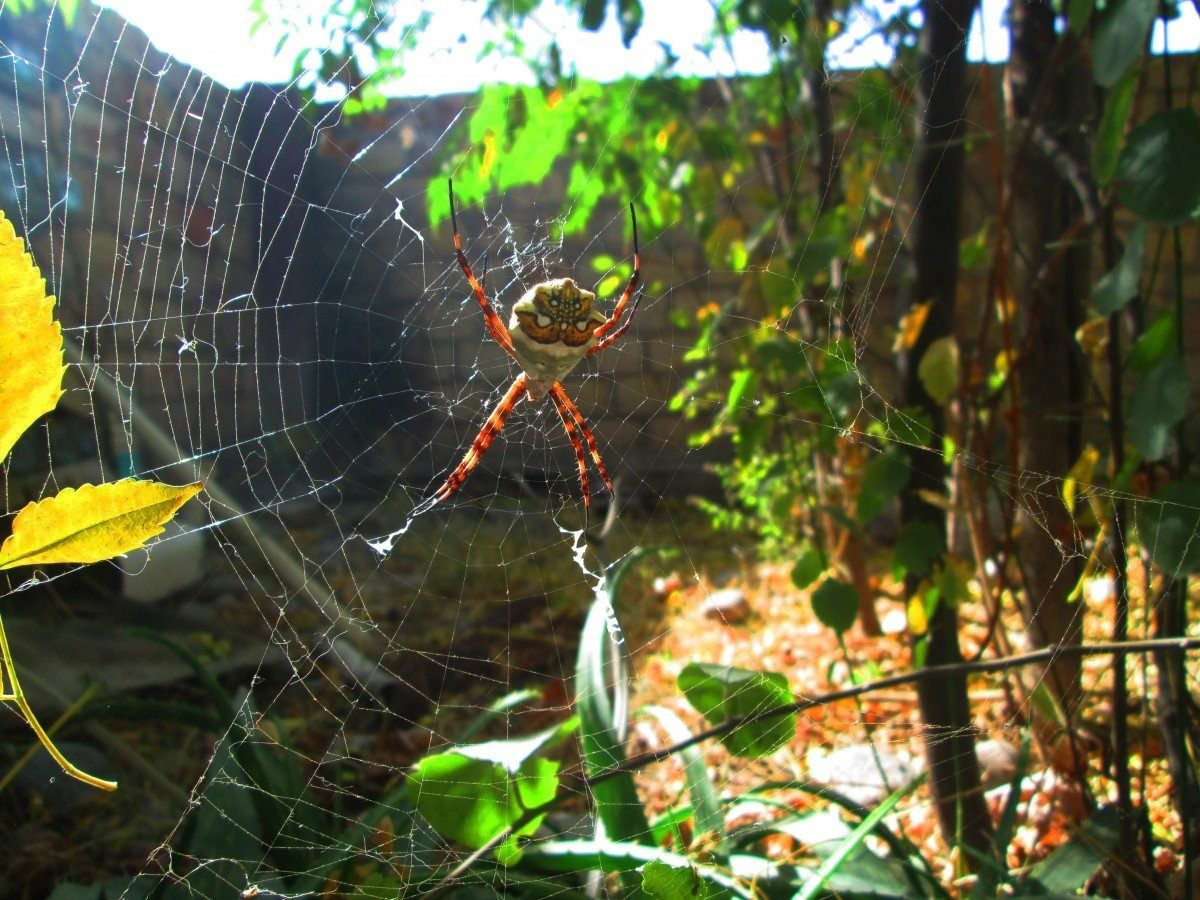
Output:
x=1081 y=473
x=664 y=136
x=861 y=245
x=92 y=523
x=911 y=324
x=489 y=154
x=918 y=622
x=31 y=358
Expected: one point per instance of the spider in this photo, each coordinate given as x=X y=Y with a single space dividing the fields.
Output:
x=553 y=327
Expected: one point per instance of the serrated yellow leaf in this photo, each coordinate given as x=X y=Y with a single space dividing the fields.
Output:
x=31 y=357
x=92 y=523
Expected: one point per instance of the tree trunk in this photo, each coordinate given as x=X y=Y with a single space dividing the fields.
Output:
x=1047 y=96
x=946 y=715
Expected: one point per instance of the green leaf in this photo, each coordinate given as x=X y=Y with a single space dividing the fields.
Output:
x=663 y=882
x=1158 y=404
x=853 y=842
x=591 y=16
x=938 y=369
x=1111 y=130
x=883 y=478
x=473 y=793
x=630 y=15
x=1160 y=178
x=598 y=704
x=1069 y=867
x=619 y=856
x=836 y=604
x=743 y=381
x=808 y=567
x=1079 y=13
x=1156 y=343
x=919 y=545
x=708 y=817
x=722 y=693
x=1121 y=38
x=1169 y=528
x=1120 y=285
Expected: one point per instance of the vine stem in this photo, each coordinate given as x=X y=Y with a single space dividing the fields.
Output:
x=17 y=696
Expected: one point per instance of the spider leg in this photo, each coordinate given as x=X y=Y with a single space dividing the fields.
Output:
x=634 y=279
x=494 y=324
x=483 y=440
x=569 y=424
x=616 y=335
x=560 y=396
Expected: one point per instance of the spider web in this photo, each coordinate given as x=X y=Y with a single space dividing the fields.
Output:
x=252 y=295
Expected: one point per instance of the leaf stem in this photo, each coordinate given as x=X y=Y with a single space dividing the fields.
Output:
x=18 y=697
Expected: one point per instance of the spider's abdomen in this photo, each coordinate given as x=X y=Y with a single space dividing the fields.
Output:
x=556 y=312
x=552 y=328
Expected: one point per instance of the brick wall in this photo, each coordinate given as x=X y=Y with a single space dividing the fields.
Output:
x=238 y=266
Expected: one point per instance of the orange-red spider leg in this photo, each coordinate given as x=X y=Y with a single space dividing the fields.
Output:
x=483 y=440
x=494 y=324
x=634 y=279
x=569 y=424
x=561 y=396
x=616 y=335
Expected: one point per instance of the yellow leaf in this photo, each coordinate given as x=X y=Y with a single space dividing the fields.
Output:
x=918 y=621
x=1092 y=337
x=489 y=154
x=31 y=359
x=911 y=324
x=92 y=523
x=1082 y=472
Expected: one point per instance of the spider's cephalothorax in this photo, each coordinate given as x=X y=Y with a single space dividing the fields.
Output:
x=553 y=327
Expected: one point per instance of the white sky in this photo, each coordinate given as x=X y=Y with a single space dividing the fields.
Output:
x=214 y=35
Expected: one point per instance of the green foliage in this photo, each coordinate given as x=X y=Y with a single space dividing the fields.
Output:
x=705 y=810
x=1119 y=286
x=355 y=45
x=1073 y=864
x=1169 y=528
x=1110 y=133
x=663 y=882
x=1159 y=178
x=920 y=544
x=1158 y=404
x=598 y=703
x=724 y=693
x=850 y=846
x=473 y=794
x=1154 y=345
x=809 y=565
x=938 y=369
x=1121 y=38
x=882 y=480
x=836 y=605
